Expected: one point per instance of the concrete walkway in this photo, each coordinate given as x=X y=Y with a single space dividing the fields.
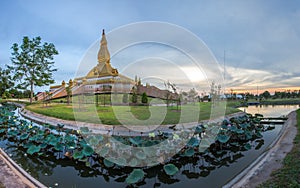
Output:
x=13 y=176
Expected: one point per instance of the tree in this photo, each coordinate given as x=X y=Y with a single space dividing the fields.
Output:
x=134 y=98
x=5 y=81
x=69 y=93
x=266 y=94
x=125 y=98
x=144 y=98
x=32 y=63
x=192 y=94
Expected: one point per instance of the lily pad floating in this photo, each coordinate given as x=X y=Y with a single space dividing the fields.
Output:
x=58 y=147
x=223 y=138
x=108 y=163
x=199 y=129
x=140 y=155
x=170 y=169
x=103 y=151
x=247 y=146
x=135 y=176
x=189 y=152
x=93 y=141
x=13 y=132
x=193 y=142
x=84 y=130
x=33 y=149
x=88 y=150
x=136 y=140
x=133 y=162
x=78 y=155
x=244 y=125
x=239 y=131
x=24 y=136
x=120 y=161
x=60 y=125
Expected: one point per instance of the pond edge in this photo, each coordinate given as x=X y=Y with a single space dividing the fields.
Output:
x=273 y=154
x=25 y=177
x=119 y=130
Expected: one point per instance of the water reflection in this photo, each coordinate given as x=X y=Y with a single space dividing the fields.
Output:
x=270 y=110
x=220 y=162
x=46 y=168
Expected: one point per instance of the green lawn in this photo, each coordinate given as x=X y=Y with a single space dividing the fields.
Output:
x=130 y=115
x=289 y=174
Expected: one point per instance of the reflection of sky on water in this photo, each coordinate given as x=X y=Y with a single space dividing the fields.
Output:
x=270 y=110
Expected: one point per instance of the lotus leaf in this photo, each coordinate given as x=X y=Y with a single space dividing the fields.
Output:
x=99 y=137
x=24 y=136
x=58 y=147
x=223 y=138
x=247 y=146
x=189 y=152
x=135 y=176
x=93 y=141
x=13 y=132
x=84 y=130
x=78 y=154
x=2 y=130
x=108 y=163
x=120 y=161
x=60 y=125
x=140 y=155
x=104 y=151
x=133 y=162
x=88 y=150
x=239 y=131
x=199 y=129
x=244 y=125
x=193 y=142
x=258 y=134
x=33 y=149
x=233 y=128
x=149 y=151
x=170 y=169
x=248 y=135
x=136 y=140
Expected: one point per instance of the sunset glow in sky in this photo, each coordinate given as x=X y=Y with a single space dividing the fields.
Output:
x=261 y=38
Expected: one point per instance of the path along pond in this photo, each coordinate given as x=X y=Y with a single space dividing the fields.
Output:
x=41 y=149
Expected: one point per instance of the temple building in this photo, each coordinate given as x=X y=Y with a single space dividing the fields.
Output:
x=103 y=78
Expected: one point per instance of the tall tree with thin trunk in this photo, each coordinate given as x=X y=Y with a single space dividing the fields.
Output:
x=32 y=63
x=5 y=80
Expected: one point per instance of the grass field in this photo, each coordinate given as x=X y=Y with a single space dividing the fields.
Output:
x=131 y=115
x=289 y=174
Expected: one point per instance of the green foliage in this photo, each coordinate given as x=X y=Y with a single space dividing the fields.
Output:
x=144 y=98
x=134 y=98
x=125 y=98
x=170 y=169
x=5 y=82
x=108 y=163
x=32 y=63
x=135 y=176
x=33 y=149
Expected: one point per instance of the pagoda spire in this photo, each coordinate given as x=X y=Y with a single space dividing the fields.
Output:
x=103 y=54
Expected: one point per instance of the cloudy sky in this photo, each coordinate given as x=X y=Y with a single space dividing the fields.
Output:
x=261 y=38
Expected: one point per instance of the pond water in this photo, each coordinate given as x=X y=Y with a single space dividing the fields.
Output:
x=270 y=110
x=211 y=170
